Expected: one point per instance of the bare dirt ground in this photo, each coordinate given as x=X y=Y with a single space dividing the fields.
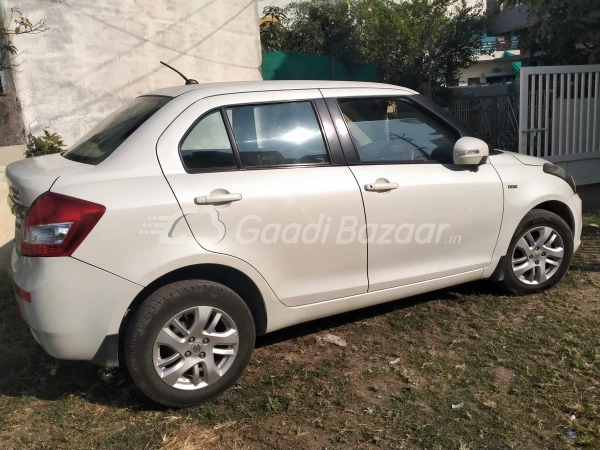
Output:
x=463 y=368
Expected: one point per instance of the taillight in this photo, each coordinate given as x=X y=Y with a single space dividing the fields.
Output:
x=56 y=224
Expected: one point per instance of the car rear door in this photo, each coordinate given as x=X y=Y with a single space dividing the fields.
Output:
x=427 y=218
x=261 y=177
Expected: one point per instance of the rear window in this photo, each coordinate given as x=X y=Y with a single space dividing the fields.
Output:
x=105 y=138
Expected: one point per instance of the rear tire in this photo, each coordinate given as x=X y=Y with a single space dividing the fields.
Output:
x=188 y=342
x=539 y=253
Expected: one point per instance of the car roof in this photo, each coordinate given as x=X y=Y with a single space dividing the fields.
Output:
x=210 y=89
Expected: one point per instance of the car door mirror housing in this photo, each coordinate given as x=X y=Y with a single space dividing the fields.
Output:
x=470 y=151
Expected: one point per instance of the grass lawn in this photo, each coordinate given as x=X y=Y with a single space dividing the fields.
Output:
x=522 y=373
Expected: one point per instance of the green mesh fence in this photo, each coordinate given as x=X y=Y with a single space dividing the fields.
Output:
x=284 y=66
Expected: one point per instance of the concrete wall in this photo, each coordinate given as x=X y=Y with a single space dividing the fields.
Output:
x=101 y=53
x=584 y=167
x=488 y=91
x=590 y=196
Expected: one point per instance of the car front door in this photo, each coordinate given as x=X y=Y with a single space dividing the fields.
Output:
x=262 y=177
x=427 y=218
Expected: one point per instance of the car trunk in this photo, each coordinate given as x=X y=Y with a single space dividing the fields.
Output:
x=30 y=178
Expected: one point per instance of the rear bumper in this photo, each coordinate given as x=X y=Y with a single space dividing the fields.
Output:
x=575 y=205
x=75 y=309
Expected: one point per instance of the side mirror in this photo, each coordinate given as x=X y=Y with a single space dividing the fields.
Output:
x=470 y=151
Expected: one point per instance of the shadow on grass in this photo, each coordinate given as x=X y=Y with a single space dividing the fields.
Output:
x=451 y=294
x=28 y=372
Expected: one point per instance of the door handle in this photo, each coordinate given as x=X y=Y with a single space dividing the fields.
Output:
x=216 y=199
x=381 y=187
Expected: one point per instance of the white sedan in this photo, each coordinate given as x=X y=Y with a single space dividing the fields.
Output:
x=197 y=217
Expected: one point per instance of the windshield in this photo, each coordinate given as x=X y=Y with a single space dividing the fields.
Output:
x=99 y=143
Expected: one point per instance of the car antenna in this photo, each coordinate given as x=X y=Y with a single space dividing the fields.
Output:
x=187 y=80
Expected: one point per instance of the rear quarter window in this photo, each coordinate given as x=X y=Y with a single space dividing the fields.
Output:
x=102 y=140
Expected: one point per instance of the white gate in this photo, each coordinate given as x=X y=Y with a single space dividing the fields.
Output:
x=560 y=117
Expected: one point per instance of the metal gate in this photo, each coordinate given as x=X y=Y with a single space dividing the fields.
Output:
x=492 y=118
x=560 y=110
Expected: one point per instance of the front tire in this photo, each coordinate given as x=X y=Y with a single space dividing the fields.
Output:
x=539 y=253
x=188 y=342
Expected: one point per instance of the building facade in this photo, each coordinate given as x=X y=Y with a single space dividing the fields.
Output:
x=98 y=55
x=497 y=67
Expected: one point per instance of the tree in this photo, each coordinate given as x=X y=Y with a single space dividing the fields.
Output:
x=428 y=18
x=442 y=37
x=421 y=44
x=325 y=29
x=16 y=24
x=457 y=42
x=383 y=32
x=272 y=28
x=563 y=31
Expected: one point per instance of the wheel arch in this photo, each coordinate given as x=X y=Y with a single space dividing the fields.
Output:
x=552 y=204
x=234 y=279
x=559 y=208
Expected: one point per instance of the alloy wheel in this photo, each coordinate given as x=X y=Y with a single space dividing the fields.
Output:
x=537 y=255
x=195 y=348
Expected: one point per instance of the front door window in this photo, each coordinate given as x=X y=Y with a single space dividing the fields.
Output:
x=395 y=131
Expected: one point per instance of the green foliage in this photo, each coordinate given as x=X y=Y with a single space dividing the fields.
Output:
x=454 y=35
x=426 y=42
x=47 y=144
x=323 y=29
x=272 y=28
x=421 y=44
x=563 y=32
x=273 y=404
x=383 y=27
